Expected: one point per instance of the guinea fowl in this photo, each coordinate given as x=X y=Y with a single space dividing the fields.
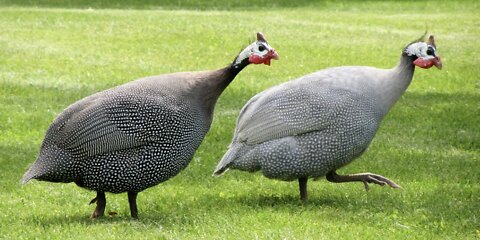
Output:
x=314 y=125
x=139 y=134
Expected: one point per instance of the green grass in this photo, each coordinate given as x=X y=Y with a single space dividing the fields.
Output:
x=53 y=53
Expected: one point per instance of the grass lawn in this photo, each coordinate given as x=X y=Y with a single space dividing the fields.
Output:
x=53 y=53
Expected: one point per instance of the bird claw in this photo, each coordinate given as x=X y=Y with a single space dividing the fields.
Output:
x=366 y=178
x=92 y=201
x=366 y=186
x=96 y=214
x=377 y=179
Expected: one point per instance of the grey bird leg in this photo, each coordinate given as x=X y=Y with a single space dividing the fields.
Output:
x=366 y=178
x=101 y=203
x=302 y=183
x=132 y=200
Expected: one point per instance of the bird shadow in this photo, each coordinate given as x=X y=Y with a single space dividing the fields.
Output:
x=169 y=215
x=273 y=200
x=81 y=219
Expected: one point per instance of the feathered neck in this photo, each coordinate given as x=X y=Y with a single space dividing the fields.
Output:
x=228 y=74
x=209 y=86
x=397 y=81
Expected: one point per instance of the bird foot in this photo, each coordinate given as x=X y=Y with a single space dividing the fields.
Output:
x=376 y=179
x=366 y=178
x=101 y=203
x=96 y=214
x=92 y=201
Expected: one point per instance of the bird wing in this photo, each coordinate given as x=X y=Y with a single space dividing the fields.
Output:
x=287 y=110
x=108 y=121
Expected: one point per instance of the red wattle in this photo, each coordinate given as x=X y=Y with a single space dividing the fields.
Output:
x=424 y=63
x=255 y=59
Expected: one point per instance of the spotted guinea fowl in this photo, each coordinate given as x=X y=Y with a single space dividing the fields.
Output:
x=313 y=125
x=139 y=134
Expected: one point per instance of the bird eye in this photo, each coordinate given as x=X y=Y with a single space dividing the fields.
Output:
x=261 y=48
x=430 y=51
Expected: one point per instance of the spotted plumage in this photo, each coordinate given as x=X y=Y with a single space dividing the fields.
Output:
x=313 y=125
x=136 y=135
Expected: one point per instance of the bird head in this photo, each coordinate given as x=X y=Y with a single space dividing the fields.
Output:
x=258 y=52
x=424 y=53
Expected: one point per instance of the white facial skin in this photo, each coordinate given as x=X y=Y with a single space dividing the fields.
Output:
x=420 y=50
x=258 y=48
x=261 y=49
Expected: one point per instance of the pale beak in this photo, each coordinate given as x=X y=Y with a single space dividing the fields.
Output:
x=437 y=62
x=273 y=54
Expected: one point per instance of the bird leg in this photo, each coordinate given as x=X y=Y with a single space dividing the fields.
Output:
x=366 y=178
x=132 y=201
x=101 y=203
x=302 y=183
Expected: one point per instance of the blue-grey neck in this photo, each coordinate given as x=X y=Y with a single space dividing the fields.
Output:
x=397 y=81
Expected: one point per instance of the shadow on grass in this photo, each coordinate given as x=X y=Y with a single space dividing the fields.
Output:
x=190 y=213
x=183 y=212
x=446 y=113
x=56 y=220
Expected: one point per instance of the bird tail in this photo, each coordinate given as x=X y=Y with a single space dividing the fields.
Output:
x=227 y=160
x=30 y=174
x=51 y=165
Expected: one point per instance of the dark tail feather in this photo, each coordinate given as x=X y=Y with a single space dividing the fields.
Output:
x=29 y=175
x=34 y=172
x=51 y=165
x=226 y=161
